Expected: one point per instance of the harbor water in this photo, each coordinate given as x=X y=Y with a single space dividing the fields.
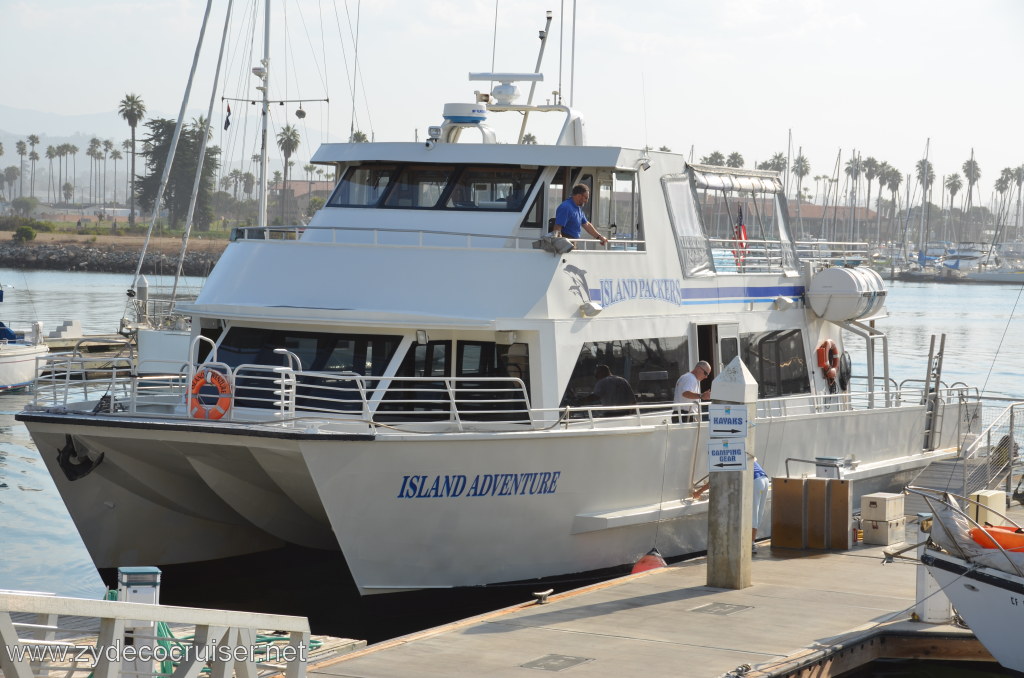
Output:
x=40 y=549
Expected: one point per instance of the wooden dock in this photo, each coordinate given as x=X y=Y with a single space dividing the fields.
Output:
x=808 y=613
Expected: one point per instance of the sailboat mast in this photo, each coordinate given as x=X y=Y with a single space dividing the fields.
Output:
x=265 y=115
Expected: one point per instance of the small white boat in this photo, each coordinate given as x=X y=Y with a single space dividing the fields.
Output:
x=981 y=570
x=18 y=353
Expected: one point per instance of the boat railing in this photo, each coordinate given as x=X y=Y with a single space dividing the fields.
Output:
x=84 y=375
x=420 y=238
x=955 y=519
x=988 y=457
x=815 y=403
x=746 y=256
x=837 y=253
x=153 y=314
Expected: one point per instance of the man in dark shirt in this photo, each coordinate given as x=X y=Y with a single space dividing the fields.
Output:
x=612 y=390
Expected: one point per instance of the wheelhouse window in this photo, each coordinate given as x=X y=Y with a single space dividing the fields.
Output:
x=492 y=187
x=436 y=186
x=363 y=186
x=651 y=366
x=776 y=359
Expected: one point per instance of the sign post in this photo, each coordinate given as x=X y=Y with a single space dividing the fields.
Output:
x=731 y=435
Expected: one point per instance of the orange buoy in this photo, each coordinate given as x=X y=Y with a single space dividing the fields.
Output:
x=1009 y=537
x=651 y=560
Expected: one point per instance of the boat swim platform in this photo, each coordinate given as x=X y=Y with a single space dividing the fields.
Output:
x=807 y=613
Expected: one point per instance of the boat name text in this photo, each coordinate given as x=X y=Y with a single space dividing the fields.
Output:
x=614 y=291
x=482 y=485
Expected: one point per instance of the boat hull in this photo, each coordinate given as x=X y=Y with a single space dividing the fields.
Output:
x=18 y=367
x=439 y=510
x=989 y=600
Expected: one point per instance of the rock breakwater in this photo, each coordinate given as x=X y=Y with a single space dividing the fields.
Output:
x=65 y=257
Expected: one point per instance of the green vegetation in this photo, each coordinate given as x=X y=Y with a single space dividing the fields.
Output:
x=24 y=234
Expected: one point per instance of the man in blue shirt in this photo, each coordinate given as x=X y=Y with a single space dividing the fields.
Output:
x=570 y=220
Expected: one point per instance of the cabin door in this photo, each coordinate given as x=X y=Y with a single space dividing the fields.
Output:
x=717 y=344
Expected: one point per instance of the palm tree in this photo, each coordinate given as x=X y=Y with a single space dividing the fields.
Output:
x=73 y=150
x=236 y=181
x=972 y=173
x=33 y=141
x=108 y=146
x=870 y=172
x=527 y=138
x=361 y=138
x=854 y=168
x=288 y=141
x=21 y=148
x=93 y=153
x=51 y=153
x=115 y=155
x=248 y=184
x=953 y=185
x=132 y=110
x=1018 y=178
x=716 y=159
x=893 y=180
x=734 y=160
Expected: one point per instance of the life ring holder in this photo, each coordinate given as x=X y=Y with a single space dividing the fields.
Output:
x=208 y=376
x=829 y=360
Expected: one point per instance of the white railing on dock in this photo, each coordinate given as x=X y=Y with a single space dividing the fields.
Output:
x=225 y=643
x=990 y=456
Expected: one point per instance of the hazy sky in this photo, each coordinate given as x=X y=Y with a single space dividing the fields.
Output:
x=877 y=76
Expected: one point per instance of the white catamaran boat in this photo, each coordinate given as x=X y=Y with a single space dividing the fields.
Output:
x=403 y=379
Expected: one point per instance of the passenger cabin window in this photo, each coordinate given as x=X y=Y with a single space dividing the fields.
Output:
x=651 y=366
x=424 y=399
x=776 y=359
x=502 y=188
x=335 y=356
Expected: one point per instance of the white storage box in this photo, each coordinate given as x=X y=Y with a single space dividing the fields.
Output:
x=885 y=532
x=988 y=499
x=881 y=506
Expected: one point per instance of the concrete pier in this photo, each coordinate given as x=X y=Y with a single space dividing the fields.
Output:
x=806 y=613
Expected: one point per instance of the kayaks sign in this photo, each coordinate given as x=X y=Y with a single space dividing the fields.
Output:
x=480 y=485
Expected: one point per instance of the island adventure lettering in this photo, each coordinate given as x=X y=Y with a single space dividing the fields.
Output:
x=482 y=485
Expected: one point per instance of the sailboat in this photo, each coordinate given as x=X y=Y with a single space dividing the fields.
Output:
x=162 y=332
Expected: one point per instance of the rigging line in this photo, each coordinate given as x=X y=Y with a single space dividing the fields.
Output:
x=355 y=69
x=170 y=153
x=664 y=474
x=325 y=133
x=309 y=41
x=494 y=37
x=344 y=55
x=1006 y=329
x=205 y=131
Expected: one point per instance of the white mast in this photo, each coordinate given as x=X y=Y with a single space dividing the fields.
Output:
x=263 y=73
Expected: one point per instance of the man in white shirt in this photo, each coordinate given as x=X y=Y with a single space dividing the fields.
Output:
x=688 y=393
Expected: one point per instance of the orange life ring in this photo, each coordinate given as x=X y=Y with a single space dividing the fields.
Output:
x=828 y=358
x=200 y=410
x=993 y=536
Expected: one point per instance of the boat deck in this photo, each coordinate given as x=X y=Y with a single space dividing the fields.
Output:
x=825 y=612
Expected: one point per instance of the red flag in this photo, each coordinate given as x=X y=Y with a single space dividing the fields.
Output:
x=227 y=119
